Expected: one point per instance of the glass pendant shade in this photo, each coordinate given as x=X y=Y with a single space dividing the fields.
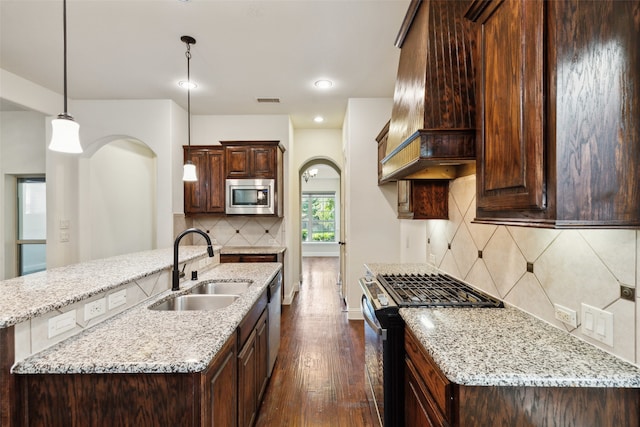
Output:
x=65 y=135
x=189 y=174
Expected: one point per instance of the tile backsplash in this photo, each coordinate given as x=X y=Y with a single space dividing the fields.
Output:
x=534 y=269
x=236 y=230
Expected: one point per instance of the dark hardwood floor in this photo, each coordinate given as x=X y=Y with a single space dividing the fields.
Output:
x=318 y=379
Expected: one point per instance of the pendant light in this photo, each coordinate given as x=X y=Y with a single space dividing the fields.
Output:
x=65 y=131
x=189 y=173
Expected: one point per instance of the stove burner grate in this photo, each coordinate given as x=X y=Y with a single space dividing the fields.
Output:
x=434 y=290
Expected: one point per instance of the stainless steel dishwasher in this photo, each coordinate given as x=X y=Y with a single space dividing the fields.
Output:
x=274 y=296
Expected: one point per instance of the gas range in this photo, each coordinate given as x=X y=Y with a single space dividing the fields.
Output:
x=383 y=296
x=388 y=292
x=434 y=290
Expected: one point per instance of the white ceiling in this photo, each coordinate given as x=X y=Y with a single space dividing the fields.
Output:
x=244 y=50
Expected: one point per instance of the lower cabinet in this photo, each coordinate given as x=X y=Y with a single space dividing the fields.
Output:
x=166 y=399
x=252 y=372
x=432 y=400
x=219 y=389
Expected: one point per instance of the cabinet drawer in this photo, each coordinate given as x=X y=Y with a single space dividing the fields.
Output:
x=439 y=386
x=248 y=258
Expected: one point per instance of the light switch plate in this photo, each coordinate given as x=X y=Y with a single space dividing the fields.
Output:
x=597 y=324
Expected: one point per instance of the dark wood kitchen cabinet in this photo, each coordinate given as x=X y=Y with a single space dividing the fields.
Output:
x=432 y=400
x=251 y=159
x=423 y=199
x=206 y=195
x=163 y=399
x=559 y=96
x=253 y=365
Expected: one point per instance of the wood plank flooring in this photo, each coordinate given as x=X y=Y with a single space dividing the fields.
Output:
x=318 y=379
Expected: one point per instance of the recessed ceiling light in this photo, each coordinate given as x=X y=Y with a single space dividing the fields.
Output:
x=323 y=84
x=183 y=84
x=318 y=119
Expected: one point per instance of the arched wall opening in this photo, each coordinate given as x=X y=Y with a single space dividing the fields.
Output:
x=328 y=181
x=118 y=202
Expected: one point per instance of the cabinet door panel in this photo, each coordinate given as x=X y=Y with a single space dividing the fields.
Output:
x=511 y=157
x=247 y=375
x=215 y=181
x=195 y=193
x=262 y=352
x=220 y=389
x=238 y=162
x=263 y=162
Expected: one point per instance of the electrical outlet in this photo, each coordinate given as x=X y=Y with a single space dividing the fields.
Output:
x=432 y=259
x=62 y=323
x=95 y=308
x=117 y=299
x=566 y=315
x=597 y=324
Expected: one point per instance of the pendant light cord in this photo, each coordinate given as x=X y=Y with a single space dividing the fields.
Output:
x=64 y=38
x=188 y=55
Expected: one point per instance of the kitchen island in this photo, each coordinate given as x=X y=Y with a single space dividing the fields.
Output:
x=162 y=365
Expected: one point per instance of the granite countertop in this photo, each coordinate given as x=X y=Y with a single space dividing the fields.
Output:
x=506 y=346
x=32 y=295
x=253 y=249
x=140 y=340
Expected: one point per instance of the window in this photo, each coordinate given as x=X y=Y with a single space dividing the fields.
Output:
x=32 y=225
x=318 y=217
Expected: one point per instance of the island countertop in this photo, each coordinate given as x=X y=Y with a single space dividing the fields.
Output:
x=29 y=296
x=141 y=340
x=507 y=346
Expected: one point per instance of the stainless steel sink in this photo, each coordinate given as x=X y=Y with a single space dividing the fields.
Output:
x=196 y=302
x=218 y=287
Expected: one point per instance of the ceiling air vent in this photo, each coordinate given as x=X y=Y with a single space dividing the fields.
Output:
x=268 y=100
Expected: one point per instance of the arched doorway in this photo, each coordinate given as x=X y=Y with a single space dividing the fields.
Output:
x=321 y=216
x=117 y=198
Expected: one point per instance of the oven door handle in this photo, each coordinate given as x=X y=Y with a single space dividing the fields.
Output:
x=370 y=322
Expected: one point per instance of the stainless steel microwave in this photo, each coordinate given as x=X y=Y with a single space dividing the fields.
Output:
x=250 y=196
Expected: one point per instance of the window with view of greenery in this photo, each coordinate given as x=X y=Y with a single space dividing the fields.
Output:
x=318 y=217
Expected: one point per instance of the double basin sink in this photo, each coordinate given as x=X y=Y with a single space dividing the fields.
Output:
x=209 y=295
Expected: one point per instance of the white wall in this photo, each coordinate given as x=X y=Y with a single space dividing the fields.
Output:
x=372 y=227
x=122 y=200
x=22 y=152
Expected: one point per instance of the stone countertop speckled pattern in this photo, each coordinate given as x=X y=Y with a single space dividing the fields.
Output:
x=32 y=295
x=253 y=249
x=146 y=341
x=506 y=346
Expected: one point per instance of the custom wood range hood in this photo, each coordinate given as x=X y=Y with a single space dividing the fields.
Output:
x=432 y=128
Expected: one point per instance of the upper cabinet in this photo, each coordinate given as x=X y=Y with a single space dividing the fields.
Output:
x=251 y=159
x=558 y=142
x=206 y=195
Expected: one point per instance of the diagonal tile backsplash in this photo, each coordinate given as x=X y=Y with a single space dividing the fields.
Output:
x=569 y=267
x=237 y=230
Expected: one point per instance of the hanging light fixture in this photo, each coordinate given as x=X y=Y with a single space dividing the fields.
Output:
x=189 y=173
x=309 y=173
x=65 y=132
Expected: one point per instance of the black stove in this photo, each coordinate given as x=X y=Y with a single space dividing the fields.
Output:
x=434 y=290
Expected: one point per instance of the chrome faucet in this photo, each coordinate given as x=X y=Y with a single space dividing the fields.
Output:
x=175 y=284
